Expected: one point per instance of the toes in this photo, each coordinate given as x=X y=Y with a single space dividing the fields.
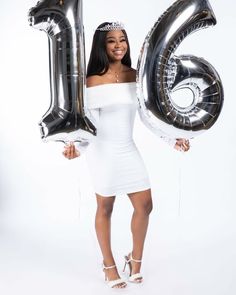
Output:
x=139 y=280
x=121 y=285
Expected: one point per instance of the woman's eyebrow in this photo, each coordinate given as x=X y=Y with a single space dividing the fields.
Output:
x=115 y=37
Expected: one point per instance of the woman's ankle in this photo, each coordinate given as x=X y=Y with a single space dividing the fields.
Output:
x=108 y=261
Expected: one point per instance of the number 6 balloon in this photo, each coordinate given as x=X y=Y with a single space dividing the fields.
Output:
x=65 y=119
x=160 y=73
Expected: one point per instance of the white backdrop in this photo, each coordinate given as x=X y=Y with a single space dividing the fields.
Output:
x=47 y=205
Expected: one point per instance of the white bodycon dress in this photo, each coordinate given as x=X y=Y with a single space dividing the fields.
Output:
x=114 y=162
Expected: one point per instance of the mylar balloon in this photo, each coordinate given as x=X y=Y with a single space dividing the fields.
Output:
x=161 y=74
x=65 y=119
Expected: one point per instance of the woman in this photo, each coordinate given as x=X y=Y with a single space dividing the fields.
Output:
x=115 y=164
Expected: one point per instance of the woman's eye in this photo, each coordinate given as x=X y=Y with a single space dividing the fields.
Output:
x=113 y=41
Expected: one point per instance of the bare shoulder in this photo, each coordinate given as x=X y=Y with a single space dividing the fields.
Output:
x=132 y=71
x=130 y=74
x=133 y=74
x=94 y=80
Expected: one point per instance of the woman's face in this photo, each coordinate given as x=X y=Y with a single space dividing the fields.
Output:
x=116 y=45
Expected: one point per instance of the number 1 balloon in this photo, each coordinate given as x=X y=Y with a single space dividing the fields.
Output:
x=160 y=74
x=65 y=119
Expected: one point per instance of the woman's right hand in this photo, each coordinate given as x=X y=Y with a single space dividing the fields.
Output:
x=70 y=152
x=182 y=144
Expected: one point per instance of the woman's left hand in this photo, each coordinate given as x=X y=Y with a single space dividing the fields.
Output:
x=182 y=144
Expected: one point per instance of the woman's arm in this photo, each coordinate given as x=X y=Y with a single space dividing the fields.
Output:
x=75 y=149
x=179 y=144
x=93 y=116
x=156 y=129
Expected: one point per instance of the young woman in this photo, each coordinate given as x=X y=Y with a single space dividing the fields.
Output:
x=115 y=163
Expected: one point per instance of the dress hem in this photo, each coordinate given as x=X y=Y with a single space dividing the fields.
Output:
x=125 y=191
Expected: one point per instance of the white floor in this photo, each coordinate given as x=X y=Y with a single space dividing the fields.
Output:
x=179 y=258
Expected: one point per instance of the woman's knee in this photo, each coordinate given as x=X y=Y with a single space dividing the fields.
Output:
x=142 y=202
x=144 y=209
x=105 y=206
x=147 y=207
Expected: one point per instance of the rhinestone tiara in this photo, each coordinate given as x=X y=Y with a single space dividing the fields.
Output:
x=114 y=26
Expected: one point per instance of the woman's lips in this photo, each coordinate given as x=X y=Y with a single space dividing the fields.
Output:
x=118 y=52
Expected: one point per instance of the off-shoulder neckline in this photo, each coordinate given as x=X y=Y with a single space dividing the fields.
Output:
x=106 y=84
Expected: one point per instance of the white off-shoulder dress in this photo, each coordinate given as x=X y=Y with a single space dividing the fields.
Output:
x=115 y=164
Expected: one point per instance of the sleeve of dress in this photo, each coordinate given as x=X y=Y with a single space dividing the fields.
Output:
x=93 y=115
x=170 y=141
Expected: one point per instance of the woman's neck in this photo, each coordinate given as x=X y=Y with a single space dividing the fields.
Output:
x=116 y=67
x=115 y=71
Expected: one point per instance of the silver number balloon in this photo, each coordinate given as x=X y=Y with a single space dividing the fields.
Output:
x=65 y=119
x=160 y=74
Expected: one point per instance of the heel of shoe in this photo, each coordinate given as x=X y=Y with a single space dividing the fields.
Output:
x=134 y=278
x=127 y=260
x=125 y=266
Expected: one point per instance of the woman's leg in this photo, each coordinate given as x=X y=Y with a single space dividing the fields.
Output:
x=142 y=203
x=103 y=231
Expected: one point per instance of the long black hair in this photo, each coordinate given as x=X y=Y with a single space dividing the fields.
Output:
x=98 y=61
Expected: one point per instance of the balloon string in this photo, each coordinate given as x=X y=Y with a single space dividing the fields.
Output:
x=180 y=183
x=179 y=205
x=79 y=197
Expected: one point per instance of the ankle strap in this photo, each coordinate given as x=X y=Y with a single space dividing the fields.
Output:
x=135 y=260
x=107 y=267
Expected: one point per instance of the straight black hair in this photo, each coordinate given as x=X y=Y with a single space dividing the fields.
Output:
x=98 y=61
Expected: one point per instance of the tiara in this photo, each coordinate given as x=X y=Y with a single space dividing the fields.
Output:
x=114 y=26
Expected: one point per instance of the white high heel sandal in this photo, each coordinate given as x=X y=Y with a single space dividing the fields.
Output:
x=136 y=277
x=113 y=283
